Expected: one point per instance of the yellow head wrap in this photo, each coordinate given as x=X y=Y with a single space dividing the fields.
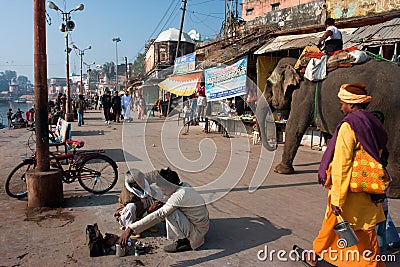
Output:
x=354 y=93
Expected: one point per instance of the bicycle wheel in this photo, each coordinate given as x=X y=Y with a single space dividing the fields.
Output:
x=98 y=174
x=16 y=180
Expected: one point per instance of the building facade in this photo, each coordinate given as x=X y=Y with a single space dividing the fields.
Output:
x=252 y=9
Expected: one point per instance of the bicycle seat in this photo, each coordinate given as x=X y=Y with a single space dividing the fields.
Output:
x=75 y=143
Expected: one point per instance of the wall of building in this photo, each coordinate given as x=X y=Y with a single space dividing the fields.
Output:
x=312 y=13
x=252 y=9
x=340 y=9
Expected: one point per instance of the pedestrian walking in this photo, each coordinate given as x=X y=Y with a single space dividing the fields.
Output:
x=80 y=108
x=9 y=117
x=126 y=106
x=359 y=129
x=107 y=106
x=116 y=106
x=141 y=107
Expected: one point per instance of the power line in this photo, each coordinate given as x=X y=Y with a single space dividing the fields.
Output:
x=159 y=23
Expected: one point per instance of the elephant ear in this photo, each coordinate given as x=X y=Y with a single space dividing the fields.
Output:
x=289 y=77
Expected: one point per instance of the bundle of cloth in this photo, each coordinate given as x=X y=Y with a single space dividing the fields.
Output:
x=340 y=59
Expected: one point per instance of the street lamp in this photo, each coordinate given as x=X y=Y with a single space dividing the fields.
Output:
x=67 y=26
x=81 y=53
x=88 y=75
x=116 y=40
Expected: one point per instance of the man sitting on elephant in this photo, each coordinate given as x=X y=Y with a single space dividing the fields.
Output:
x=332 y=38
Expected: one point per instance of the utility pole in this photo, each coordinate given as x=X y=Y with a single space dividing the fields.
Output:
x=177 y=49
x=231 y=18
x=116 y=40
x=44 y=186
x=126 y=72
x=41 y=93
x=181 y=29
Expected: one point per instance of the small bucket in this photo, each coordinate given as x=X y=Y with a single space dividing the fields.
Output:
x=347 y=237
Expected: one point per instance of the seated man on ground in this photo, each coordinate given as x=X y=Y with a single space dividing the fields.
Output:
x=185 y=214
x=136 y=197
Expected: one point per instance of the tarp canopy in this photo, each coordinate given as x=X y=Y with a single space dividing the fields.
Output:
x=182 y=85
x=298 y=41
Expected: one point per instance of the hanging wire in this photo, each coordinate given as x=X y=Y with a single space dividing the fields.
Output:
x=48 y=18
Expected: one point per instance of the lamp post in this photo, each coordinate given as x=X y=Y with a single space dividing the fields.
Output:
x=88 y=76
x=81 y=53
x=116 y=40
x=67 y=26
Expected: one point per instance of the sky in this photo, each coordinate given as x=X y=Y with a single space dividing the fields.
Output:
x=135 y=22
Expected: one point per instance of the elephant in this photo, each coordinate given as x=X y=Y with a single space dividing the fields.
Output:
x=317 y=104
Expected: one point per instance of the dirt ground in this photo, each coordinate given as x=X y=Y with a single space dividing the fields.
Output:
x=282 y=211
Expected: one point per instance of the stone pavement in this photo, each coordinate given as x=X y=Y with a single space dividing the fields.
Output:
x=283 y=211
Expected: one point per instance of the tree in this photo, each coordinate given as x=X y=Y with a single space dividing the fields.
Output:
x=23 y=83
x=138 y=67
x=5 y=78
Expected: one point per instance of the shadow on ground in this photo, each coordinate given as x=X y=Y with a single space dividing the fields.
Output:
x=236 y=189
x=119 y=155
x=87 y=133
x=86 y=201
x=248 y=233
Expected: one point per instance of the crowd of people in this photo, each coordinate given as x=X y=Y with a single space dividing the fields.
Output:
x=17 y=120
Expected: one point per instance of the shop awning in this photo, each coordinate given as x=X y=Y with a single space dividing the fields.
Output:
x=182 y=85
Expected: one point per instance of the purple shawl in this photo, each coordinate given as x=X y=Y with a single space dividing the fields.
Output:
x=369 y=132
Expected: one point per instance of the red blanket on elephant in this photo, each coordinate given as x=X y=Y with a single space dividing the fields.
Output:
x=339 y=59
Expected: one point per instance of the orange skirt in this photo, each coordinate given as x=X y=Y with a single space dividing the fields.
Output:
x=363 y=254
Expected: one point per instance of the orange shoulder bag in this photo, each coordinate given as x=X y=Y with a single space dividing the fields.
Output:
x=368 y=175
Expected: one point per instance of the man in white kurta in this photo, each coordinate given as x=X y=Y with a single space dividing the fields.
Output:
x=126 y=106
x=185 y=213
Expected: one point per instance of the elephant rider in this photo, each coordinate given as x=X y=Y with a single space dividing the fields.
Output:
x=332 y=38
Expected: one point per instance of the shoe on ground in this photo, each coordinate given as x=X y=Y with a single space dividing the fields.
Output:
x=180 y=245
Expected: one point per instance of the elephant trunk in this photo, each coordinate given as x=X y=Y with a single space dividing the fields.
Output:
x=263 y=112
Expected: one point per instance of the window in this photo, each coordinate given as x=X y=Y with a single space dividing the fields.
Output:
x=275 y=6
x=249 y=11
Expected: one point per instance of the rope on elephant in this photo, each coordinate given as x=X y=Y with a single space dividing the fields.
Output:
x=315 y=103
x=380 y=58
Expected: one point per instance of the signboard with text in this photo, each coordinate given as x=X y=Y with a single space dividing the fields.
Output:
x=227 y=81
x=185 y=64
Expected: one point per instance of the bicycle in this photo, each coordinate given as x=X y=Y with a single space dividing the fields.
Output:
x=95 y=172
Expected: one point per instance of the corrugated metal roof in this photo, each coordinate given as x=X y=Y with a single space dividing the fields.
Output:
x=299 y=41
x=383 y=33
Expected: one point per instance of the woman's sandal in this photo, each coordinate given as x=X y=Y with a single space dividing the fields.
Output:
x=301 y=256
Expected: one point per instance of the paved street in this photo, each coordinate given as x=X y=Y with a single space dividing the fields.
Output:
x=283 y=211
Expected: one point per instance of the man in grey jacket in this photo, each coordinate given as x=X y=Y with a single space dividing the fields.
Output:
x=185 y=214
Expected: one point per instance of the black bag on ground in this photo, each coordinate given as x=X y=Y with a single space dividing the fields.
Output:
x=94 y=240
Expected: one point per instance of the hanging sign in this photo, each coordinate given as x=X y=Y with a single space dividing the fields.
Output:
x=225 y=82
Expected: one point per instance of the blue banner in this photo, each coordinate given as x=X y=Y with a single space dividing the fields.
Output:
x=185 y=64
x=227 y=81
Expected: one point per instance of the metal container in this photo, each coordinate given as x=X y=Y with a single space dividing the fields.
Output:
x=347 y=237
x=120 y=251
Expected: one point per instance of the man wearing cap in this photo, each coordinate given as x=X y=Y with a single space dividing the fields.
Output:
x=358 y=128
x=185 y=214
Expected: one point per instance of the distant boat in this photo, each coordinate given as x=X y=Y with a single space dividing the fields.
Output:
x=20 y=100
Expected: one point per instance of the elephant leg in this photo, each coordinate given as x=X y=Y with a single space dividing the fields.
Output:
x=298 y=122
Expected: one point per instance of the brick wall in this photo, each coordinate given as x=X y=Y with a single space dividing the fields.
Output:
x=252 y=9
x=308 y=14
